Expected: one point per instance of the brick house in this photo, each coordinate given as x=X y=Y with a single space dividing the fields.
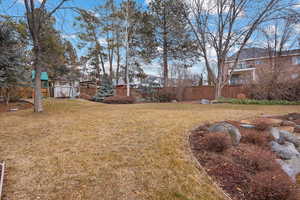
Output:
x=255 y=63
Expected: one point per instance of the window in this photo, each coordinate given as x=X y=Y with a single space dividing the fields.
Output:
x=258 y=62
x=236 y=79
x=242 y=65
x=294 y=76
x=296 y=60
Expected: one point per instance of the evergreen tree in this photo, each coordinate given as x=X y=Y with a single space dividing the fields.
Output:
x=12 y=66
x=105 y=90
x=172 y=34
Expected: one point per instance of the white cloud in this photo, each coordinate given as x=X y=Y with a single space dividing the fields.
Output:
x=69 y=36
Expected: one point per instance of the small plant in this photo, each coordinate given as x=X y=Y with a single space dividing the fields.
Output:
x=216 y=142
x=258 y=102
x=261 y=125
x=255 y=159
x=252 y=136
x=165 y=97
x=119 y=100
x=273 y=185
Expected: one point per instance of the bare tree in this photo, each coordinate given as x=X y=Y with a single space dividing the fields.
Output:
x=36 y=18
x=224 y=26
x=278 y=38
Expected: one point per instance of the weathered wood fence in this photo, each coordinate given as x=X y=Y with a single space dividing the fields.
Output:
x=193 y=93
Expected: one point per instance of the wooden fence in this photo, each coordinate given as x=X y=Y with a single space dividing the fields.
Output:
x=192 y=93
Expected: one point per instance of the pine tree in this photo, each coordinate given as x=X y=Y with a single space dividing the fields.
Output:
x=105 y=90
x=12 y=67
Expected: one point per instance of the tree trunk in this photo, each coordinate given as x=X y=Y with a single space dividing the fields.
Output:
x=165 y=62
x=218 y=90
x=118 y=66
x=7 y=96
x=38 y=104
x=165 y=48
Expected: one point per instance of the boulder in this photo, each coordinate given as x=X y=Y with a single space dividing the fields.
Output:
x=297 y=129
x=268 y=121
x=288 y=123
x=247 y=125
x=290 y=167
x=275 y=133
x=287 y=128
x=285 y=151
x=204 y=101
x=227 y=128
x=287 y=136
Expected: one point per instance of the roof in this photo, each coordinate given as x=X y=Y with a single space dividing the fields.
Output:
x=44 y=76
x=252 y=53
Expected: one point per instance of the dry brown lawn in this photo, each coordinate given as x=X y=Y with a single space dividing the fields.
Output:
x=83 y=150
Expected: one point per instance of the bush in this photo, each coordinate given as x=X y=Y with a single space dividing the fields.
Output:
x=216 y=142
x=258 y=102
x=273 y=185
x=270 y=89
x=255 y=159
x=261 y=125
x=119 y=100
x=252 y=136
x=165 y=97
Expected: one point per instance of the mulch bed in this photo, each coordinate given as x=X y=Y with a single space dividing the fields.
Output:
x=21 y=105
x=236 y=175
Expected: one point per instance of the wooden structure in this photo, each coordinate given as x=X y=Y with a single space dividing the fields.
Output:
x=193 y=93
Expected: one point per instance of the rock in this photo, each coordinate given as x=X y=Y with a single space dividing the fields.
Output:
x=287 y=136
x=297 y=129
x=290 y=167
x=247 y=125
x=205 y=101
x=285 y=151
x=227 y=128
x=174 y=101
x=268 y=121
x=287 y=128
x=288 y=123
x=275 y=133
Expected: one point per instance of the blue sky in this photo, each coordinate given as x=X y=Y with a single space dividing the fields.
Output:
x=65 y=18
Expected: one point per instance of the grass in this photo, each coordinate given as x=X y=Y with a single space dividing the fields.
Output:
x=258 y=102
x=83 y=150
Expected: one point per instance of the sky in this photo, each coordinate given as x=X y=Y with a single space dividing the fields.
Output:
x=65 y=17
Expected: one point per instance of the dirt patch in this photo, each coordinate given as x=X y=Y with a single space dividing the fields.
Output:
x=15 y=106
x=246 y=172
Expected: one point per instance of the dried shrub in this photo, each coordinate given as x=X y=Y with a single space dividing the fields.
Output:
x=241 y=96
x=261 y=125
x=165 y=97
x=252 y=136
x=273 y=185
x=255 y=159
x=119 y=100
x=268 y=89
x=215 y=142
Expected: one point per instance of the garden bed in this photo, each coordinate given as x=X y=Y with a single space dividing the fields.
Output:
x=15 y=106
x=251 y=169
